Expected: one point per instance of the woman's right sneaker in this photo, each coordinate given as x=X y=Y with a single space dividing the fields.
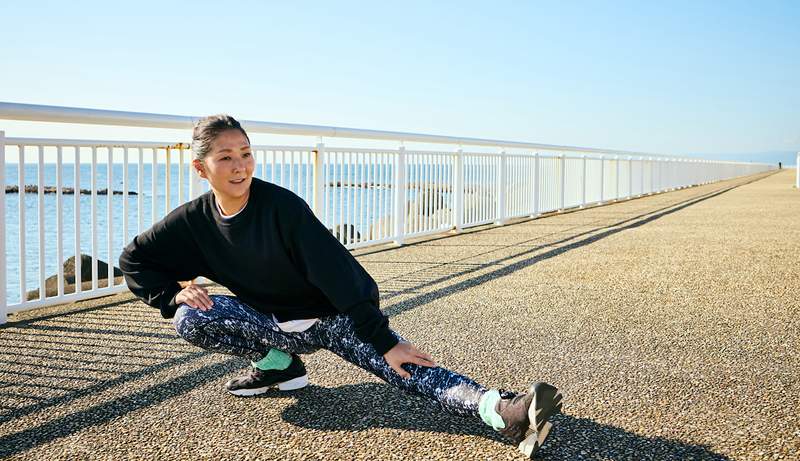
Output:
x=259 y=381
x=526 y=416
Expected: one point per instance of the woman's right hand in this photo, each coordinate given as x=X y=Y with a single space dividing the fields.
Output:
x=194 y=296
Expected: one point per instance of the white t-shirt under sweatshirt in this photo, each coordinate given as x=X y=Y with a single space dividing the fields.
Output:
x=290 y=326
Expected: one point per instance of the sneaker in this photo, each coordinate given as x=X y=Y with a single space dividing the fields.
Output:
x=526 y=415
x=259 y=381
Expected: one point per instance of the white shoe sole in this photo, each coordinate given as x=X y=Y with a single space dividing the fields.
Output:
x=294 y=384
x=542 y=408
x=291 y=385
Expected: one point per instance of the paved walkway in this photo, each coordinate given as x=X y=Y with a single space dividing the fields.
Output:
x=671 y=322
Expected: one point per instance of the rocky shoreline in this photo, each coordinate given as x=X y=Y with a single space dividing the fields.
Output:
x=34 y=189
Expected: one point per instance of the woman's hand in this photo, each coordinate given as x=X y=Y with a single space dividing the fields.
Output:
x=407 y=353
x=195 y=296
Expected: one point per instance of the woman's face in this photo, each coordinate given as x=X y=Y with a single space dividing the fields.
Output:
x=229 y=165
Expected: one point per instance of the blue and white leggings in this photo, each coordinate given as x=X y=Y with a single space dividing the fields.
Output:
x=232 y=327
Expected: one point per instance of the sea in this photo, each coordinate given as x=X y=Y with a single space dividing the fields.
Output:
x=154 y=207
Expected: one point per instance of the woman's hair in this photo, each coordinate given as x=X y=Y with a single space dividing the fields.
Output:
x=208 y=128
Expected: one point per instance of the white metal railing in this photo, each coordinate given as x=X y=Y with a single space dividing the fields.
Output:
x=365 y=196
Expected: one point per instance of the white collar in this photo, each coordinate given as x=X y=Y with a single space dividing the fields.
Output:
x=224 y=216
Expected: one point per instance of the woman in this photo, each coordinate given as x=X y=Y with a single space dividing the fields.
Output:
x=297 y=289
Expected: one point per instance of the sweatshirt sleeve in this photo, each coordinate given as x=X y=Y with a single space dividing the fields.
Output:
x=330 y=267
x=154 y=262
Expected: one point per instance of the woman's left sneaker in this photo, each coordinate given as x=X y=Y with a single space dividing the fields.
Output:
x=526 y=416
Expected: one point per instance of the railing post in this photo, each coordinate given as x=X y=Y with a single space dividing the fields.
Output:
x=458 y=192
x=660 y=171
x=690 y=172
x=616 y=193
x=668 y=170
x=674 y=174
x=796 y=169
x=583 y=182
x=671 y=174
x=602 y=179
x=562 y=165
x=652 y=176
x=641 y=178
x=700 y=165
x=318 y=161
x=535 y=184
x=702 y=171
x=3 y=267
x=667 y=175
x=501 y=189
x=680 y=168
x=400 y=196
x=167 y=180
x=195 y=186
x=630 y=177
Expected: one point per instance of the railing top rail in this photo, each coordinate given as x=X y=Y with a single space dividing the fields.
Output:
x=42 y=113
x=51 y=142
x=11 y=141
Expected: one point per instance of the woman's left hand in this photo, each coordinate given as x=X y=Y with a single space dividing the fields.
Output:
x=407 y=353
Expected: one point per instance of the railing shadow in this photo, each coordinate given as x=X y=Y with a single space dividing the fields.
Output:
x=66 y=350
x=45 y=338
x=99 y=307
x=320 y=408
x=564 y=245
x=75 y=394
x=102 y=331
x=72 y=423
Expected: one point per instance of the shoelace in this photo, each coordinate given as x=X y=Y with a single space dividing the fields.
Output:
x=256 y=373
x=504 y=394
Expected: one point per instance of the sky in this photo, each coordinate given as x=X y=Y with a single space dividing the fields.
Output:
x=717 y=79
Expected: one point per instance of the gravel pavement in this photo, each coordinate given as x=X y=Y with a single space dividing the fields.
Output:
x=670 y=322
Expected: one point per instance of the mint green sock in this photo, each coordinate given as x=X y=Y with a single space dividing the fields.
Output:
x=274 y=360
x=486 y=408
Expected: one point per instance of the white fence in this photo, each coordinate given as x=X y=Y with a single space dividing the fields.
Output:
x=365 y=196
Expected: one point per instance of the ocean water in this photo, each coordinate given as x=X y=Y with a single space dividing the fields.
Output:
x=110 y=233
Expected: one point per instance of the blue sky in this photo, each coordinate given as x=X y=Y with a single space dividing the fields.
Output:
x=671 y=77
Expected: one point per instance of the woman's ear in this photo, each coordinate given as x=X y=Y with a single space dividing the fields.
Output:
x=199 y=167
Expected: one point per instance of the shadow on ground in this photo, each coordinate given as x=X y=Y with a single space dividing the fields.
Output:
x=569 y=242
x=72 y=423
x=359 y=407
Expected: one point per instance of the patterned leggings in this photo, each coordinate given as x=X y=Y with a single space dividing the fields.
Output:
x=232 y=327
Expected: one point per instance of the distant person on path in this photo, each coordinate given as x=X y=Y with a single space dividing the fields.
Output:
x=297 y=289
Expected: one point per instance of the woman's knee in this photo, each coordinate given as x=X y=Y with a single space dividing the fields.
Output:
x=187 y=316
x=186 y=321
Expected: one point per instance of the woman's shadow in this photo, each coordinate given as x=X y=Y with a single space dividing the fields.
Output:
x=358 y=407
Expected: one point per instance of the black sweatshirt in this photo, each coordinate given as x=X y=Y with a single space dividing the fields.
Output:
x=274 y=255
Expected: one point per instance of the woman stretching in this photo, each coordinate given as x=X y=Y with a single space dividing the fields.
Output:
x=297 y=289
